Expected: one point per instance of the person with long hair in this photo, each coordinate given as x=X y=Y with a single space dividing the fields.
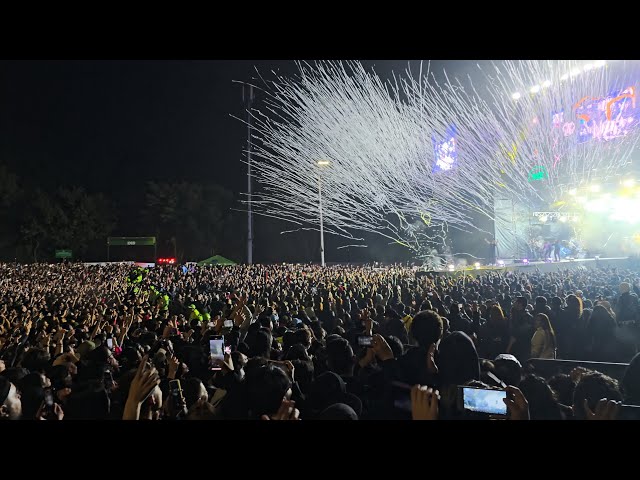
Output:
x=568 y=326
x=543 y=342
x=494 y=334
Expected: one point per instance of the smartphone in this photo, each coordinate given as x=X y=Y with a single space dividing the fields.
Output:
x=365 y=340
x=48 y=399
x=216 y=349
x=176 y=393
x=401 y=393
x=110 y=343
x=483 y=400
x=210 y=324
x=460 y=306
x=228 y=324
x=108 y=380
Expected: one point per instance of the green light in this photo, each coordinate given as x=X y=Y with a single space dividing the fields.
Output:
x=539 y=172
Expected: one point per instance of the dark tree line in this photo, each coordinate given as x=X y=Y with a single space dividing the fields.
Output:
x=190 y=220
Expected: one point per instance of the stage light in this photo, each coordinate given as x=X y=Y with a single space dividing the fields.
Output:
x=544 y=218
x=524 y=260
x=573 y=191
x=630 y=182
x=564 y=77
x=477 y=264
x=451 y=268
x=588 y=67
x=563 y=219
x=535 y=89
x=546 y=84
x=600 y=63
x=516 y=96
x=597 y=205
x=501 y=262
x=594 y=188
x=323 y=163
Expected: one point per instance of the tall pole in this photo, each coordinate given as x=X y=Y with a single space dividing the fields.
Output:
x=321 y=224
x=249 y=100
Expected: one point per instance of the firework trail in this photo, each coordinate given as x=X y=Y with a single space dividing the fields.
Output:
x=378 y=142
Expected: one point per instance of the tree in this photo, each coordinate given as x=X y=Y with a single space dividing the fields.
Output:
x=194 y=220
x=71 y=218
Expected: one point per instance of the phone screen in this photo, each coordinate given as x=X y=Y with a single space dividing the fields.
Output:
x=48 y=398
x=401 y=396
x=176 y=389
x=365 y=340
x=110 y=343
x=228 y=323
x=484 y=401
x=216 y=349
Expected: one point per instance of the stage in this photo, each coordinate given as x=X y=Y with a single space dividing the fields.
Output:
x=544 y=267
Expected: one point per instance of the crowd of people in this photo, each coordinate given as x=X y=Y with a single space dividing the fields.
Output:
x=290 y=342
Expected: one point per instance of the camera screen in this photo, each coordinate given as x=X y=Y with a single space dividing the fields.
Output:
x=484 y=401
x=365 y=341
x=228 y=323
x=48 y=398
x=110 y=343
x=216 y=348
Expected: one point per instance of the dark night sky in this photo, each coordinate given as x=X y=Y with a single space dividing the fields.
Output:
x=112 y=125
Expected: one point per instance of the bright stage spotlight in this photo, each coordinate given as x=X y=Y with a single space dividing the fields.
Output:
x=477 y=264
x=573 y=192
x=594 y=188
x=535 y=89
x=630 y=182
x=516 y=96
x=501 y=263
x=451 y=268
x=525 y=261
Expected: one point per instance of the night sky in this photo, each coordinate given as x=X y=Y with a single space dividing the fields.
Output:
x=113 y=125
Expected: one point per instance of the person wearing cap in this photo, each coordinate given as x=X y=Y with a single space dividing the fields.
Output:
x=10 y=403
x=154 y=294
x=194 y=314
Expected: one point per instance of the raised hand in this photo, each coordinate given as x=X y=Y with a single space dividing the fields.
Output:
x=381 y=348
x=424 y=403
x=605 y=410
x=287 y=411
x=517 y=405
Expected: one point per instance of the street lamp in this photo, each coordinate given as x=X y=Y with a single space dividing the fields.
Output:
x=321 y=163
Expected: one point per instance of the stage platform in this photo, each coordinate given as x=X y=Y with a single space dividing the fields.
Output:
x=545 y=267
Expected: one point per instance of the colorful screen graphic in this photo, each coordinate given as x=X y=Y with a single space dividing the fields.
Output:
x=446 y=152
x=601 y=119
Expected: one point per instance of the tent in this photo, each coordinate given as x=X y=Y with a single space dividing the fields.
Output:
x=216 y=260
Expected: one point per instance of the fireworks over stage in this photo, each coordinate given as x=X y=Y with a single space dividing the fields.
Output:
x=412 y=158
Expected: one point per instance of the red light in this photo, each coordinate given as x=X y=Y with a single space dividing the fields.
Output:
x=169 y=260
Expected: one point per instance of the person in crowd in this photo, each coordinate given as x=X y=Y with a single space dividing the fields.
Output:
x=96 y=341
x=543 y=342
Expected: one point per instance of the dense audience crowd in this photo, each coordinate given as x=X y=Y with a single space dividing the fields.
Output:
x=287 y=342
